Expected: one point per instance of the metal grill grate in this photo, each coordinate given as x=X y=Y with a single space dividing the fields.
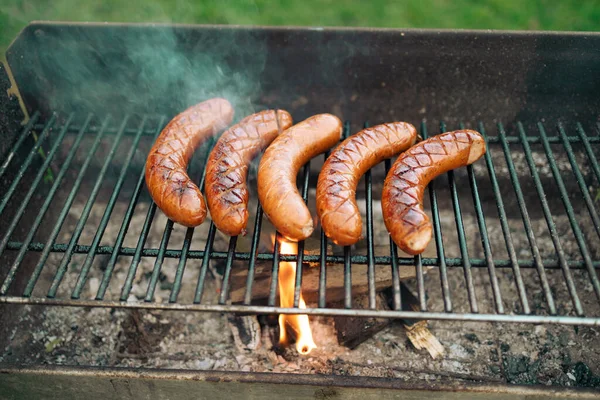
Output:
x=90 y=135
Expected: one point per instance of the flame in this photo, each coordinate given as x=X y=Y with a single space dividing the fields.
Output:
x=298 y=323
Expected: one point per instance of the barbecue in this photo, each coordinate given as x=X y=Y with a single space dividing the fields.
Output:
x=101 y=292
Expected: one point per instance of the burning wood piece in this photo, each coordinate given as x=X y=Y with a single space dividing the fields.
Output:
x=417 y=330
x=310 y=272
x=310 y=281
x=352 y=331
x=268 y=324
x=246 y=331
x=422 y=338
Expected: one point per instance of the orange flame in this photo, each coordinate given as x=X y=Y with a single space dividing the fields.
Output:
x=298 y=323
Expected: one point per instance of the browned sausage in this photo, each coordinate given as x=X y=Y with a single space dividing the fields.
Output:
x=277 y=190
x=227 y=167
x=336 y=188
x=168 y=183
x=402 y=197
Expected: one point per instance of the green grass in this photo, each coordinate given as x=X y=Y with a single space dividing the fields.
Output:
x=576 y=15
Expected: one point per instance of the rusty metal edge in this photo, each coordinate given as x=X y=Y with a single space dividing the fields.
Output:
x=492 y=32
x=330 y=381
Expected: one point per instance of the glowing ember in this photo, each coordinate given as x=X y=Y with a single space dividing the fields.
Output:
x=298 y=323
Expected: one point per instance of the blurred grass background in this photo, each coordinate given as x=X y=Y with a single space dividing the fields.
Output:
x=574 y=15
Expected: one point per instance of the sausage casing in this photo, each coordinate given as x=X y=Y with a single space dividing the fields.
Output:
x=227 y=167
x=336 y=187
x=279 y=166
x=402 y=197
x=166 y=166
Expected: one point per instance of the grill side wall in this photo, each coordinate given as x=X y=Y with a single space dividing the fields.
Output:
x=359 y=74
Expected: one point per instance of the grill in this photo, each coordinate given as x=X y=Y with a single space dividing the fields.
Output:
x=102 y=134
x=516 y=235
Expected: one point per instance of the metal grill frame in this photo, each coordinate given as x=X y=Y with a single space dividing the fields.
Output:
x=533 y=60
x=393 y=261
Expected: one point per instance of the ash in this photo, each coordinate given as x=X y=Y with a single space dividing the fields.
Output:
x=519 y=354
x=484 y=352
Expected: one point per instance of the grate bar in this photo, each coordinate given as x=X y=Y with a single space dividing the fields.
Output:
x=588 y=149
x=186 y=245
x=366 y=313
x=62 y=268
x=420 y=282
x=298 y=283
x=38 y=219
x=357 y=259
x=228 y=266
x=137 y=253
x=396 y=287
x=550 y=222
x=206 y=254
x=526 y=221
x=323 y=271
x=253 y=254
x=124 y=226
x=439 y=241
x=107 y=131
x=579 y=177
x=510 y=247
x=485 y=241
x=370 y=245
x=187 y=241
x=253 y=171
x=87 y=264
x=26 y=163
x=537 y=140
x=347 y=277
x=462 y=241
x=256 y=234
x=61 y=218
x=275 y=270
x=185 y=248
x=24 y=134
x=33 y=125
x=569 y=209
x=347 y=249
x=164 y=242
x=33 y=186
x=396 y=294
x=323 y=263
x=149 y=132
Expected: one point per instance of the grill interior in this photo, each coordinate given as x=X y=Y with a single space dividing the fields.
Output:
x=515 y=235
x=515 y=239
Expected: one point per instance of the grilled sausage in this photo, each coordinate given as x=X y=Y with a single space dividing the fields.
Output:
x=336 y=187
x=227 y=167
x=277 y=190
x=402 y=197
x=168 y=183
